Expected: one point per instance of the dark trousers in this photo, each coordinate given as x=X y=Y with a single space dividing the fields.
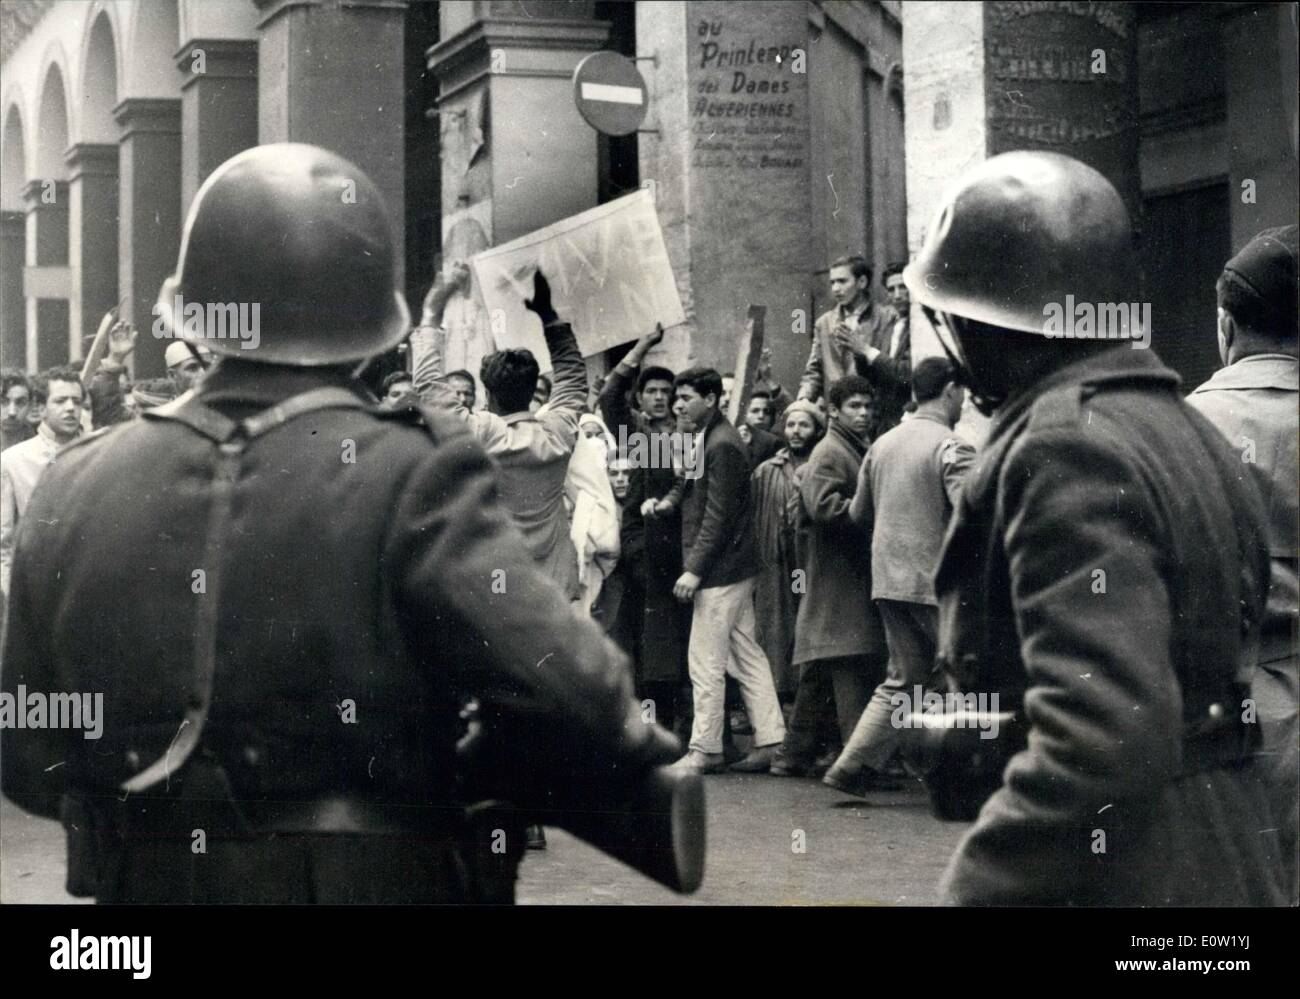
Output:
x=832 y=694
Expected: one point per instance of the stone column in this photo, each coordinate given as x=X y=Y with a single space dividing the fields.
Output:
x=92 y=238
x=732 y=172
x=218 y=107
x=517 y=156
x=13 y=308
x=45 y=279
x=331 y=74
x=150 y=211
x=986 y=78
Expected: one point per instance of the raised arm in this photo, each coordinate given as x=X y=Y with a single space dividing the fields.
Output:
x=613 y=401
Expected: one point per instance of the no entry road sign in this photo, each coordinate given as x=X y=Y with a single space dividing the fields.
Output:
x=609 y=93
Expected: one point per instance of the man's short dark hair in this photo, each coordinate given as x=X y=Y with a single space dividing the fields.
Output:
x=654 y=373
x=11 y=377
x=930 y=377
x=857 y=265
x=705 y=381
x=61 y=373
x=1251 y=312
x=759 y=394
x=897 y=267
x=511 y=378
x=849 y=385
x=396 y=377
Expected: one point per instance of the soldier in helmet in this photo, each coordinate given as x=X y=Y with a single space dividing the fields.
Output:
x=285 y=594
x=1102 y=583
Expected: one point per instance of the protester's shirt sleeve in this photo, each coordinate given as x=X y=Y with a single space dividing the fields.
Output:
x=955 y=460
x=427 y=362
x=614 y=407
x=569 y=391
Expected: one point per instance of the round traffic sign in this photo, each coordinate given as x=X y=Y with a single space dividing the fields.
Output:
x=610 y=93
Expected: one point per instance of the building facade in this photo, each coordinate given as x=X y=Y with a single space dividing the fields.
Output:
x=778 y=136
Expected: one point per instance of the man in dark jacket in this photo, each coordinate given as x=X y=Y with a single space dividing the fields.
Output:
x=839 y=645
x=285 y=620
x=720 y=561
x=1103 y=578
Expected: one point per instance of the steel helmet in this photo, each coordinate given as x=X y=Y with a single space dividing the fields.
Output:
x=1020 y=232
x=294 y=240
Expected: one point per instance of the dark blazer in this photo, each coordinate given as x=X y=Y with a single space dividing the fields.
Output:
x=718 y=542
x=387 y=587
x=1103 y=574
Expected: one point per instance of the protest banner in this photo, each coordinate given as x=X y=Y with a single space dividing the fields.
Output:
x=609 y=274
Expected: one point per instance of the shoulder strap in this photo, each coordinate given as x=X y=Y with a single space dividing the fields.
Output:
x=192 y=411
x=231 y=438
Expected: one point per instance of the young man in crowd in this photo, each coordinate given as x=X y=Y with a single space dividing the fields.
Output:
x=782 y=544
x=839 y=642
x=16 y=393
x=720 y=561
x=756 y=429
x=851 y=335
x=397 y=386
x=905 y=494
x=23 y=464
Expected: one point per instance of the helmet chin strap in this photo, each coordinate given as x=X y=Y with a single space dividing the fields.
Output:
x=945 y=329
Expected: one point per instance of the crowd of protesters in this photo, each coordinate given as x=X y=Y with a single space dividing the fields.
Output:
x=774 y=579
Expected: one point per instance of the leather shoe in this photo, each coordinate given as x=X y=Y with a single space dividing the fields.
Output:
x=701 y=763
x=759 y=761
x=828 y=758
x=859 y=782
x=789 y=766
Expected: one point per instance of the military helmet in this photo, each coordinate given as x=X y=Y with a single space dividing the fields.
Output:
x=294 y=241
x=1019 y=233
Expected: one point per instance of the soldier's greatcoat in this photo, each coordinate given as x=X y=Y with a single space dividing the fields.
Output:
x=1104 y=574
x=313 y=602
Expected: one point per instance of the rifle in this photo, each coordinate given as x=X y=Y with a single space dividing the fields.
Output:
x=653 y=821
